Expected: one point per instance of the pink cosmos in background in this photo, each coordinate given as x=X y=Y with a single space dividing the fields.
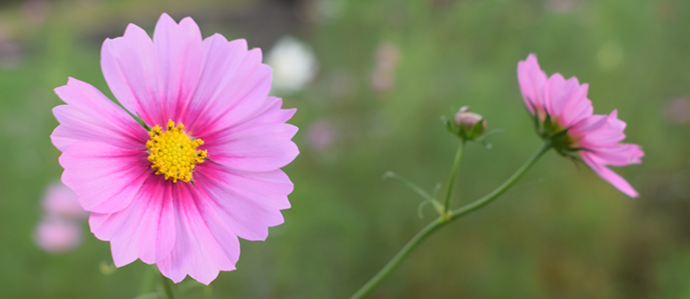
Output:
x=321 y=134
x=59 y=230
x=382 y=78
x=596 y=137
x=60 y=200
x=57 y=235
x=206 y=168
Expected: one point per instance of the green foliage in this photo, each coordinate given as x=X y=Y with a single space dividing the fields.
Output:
x=561 y=232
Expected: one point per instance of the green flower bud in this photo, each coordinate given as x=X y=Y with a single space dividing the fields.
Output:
x=470 y=124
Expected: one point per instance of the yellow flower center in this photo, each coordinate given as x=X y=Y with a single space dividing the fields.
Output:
x=173 y=153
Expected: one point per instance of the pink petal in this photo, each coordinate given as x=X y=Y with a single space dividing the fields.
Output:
x=105 y=177
x=622 y=154
x=578 y=109
x=204 y=246
x=587 y=125
x=248 y=203
x=616 y=123
x=129 y=68
x=608 y=175
x=179 y=53
x=610 y=133
x=91 y=116
x=145 y=229
x=532 y=83
x=262 y=143
x=562 y=94
x=233 y=85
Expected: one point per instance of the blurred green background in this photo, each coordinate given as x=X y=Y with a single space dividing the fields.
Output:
x=561 y=232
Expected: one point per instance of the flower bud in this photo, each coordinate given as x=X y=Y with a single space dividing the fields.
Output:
x=471 y=124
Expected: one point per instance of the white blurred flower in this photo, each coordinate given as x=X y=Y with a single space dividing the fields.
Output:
x=57 y=235
x=294 y=65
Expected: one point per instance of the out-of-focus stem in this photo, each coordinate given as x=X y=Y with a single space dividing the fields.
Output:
x=397 y=259
x=455 y=214
x=451 y=181
x=503 y=187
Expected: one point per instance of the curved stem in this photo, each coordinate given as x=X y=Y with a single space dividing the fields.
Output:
x=453 y=172
x=395 y=261
x=503 y=187
x=433 y=226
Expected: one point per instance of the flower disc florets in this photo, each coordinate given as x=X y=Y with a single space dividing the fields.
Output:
x=173 y=153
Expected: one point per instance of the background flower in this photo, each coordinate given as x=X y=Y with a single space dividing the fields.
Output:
x=382 y=77
x=59 y=229
x=57 y=235
x=60 y=200
x=294 y=65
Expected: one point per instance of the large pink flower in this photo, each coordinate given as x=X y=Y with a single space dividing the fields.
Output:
x=203 y=166
x=559 y=104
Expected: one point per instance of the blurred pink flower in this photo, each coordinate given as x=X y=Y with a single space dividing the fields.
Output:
x=61 y=201
x=57 y=235
x=387 y=56
x=596 y=137
x=36 y=11
x=561 y=5
x=320 y=134
x=677 y=111
x=10 y=54
x=202 y=171
x=382 y=78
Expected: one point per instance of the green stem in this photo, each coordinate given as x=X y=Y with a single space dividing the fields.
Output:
x=395 y=261
x=433 y=226
x=503 y=187
x=453 y=172
x=415 y=188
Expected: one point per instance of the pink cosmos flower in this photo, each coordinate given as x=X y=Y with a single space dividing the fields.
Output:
x=564 y=114
x=59 y=200
x=59 y=231
x=57 y=235
x=321 y=134
x=202 y=168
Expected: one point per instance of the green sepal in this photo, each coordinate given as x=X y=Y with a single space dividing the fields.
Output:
x=535 y=119
x=547 y=127
x=451 y=126
x=460 y=132
x=476 y=130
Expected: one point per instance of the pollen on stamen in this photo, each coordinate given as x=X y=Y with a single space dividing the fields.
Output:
x=173 y=153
